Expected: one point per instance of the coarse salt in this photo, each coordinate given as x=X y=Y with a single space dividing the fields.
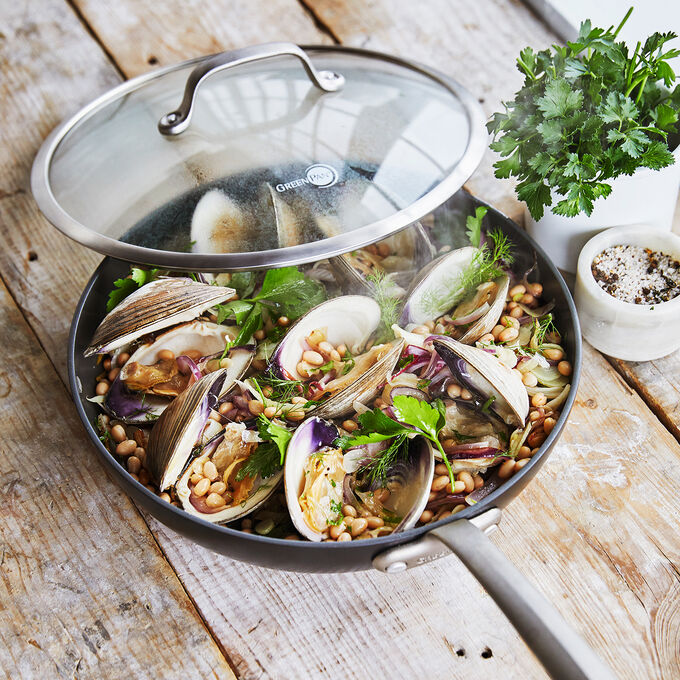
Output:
x=637 y=275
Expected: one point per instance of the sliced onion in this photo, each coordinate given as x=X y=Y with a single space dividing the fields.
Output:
x=473 y=316
x=491 y=484
x=416 y=351
x=538 y=311
x=486 y=452
x=557 y=402
x=449 y=499
x=186 y=366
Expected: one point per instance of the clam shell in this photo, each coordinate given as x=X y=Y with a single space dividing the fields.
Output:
x=204 y=336
x=263 y=488
x=434 y=292
x=137 y=408
x=489 y=377
x=157 y=305
x=311 y=436
x=363 y=389
x=218 y=225
x=351 y=320
x=289 y=227
x=410 y=480
x=486 y=323
x=180 y=428
x=416 y=491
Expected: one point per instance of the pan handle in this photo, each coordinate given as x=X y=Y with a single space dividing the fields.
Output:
x=177 y=121
x=563 y=653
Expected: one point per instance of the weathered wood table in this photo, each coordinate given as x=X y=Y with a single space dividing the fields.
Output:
x=92 y=588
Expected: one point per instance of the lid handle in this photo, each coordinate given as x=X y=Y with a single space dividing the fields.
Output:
x=176 y=122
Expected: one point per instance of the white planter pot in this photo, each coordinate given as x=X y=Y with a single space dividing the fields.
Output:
x=646 y=198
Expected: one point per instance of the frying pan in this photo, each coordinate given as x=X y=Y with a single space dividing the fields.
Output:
x=562 y=652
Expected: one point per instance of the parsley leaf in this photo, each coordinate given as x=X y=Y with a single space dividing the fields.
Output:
x=290 y=291
x=243 y=283
x=268 y=457
x=236 y=309
x=414 y=417
x=270 y=431
x=123 y=287
x=264 y=461
x=474 y=225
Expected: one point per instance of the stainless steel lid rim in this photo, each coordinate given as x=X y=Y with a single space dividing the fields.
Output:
x=299 y=254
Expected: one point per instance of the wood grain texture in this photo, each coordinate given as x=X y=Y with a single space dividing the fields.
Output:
x=144 y=33
x=659 y=384
x=85 y=590
x=39 y=86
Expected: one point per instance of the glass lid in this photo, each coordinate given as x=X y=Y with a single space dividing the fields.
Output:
x=267 y=156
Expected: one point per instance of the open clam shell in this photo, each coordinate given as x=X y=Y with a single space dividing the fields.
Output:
x=319 y=480
x=486 y=323
x=181 y=427
x=410 y=250
x=435 y=291
x=141 y=408
x=157 y=305
x=198 y=336
x=227 y=452
x=219 y=225
x=350 y=320
x=486 y=377
x=313 y=436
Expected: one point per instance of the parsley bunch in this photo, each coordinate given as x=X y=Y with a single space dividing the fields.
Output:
x=587 y=113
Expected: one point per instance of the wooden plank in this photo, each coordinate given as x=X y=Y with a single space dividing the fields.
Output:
x=146 y=33
x=659 y=384
x=85 y=590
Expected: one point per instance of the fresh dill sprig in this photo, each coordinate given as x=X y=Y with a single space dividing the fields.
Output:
x=487 y=264
x=542 y=328
x=281 y=390
x=376 y=469
x=389 y=305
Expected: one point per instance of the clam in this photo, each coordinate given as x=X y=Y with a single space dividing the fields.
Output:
x=405 y=254
x=185 y=439
x=350 y=320
x=434 y=292
x=136 y=396
x=218 y=225
x=228 y=452
x=182 y=427
x=157 y=305
x=491 y=383
x=289 y=228
x=319 y=480
x=437 y=292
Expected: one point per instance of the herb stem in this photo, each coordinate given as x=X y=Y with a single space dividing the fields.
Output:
x=437 y=443
x=623 y=21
